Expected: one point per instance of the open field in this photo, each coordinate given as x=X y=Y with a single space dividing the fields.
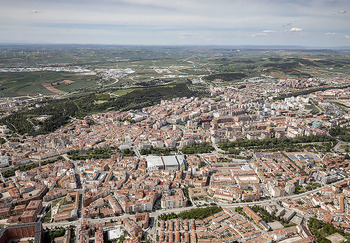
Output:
x=26 y=83
x=49 y=87
x=121 y=92
x=223 y=65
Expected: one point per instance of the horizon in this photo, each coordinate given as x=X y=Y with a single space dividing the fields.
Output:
x=313 y=23
x=243 y=47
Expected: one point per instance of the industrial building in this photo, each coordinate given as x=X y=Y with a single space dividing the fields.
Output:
x=174 y=162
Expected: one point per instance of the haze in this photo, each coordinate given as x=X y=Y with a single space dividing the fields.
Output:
x=318 y=23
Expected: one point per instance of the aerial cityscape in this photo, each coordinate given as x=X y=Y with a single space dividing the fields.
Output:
x=175 y=123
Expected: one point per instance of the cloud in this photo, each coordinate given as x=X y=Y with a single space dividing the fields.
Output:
x=295 y=30
x=159 y=21
x=347 y=36
x=186 y=36
x=269 y=31
x=258 y=35
x=275 y=32
x=332 y=34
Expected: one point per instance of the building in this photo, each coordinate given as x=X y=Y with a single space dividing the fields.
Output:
x=197 y=192
x=64 y=239
x=155 y=163
x=277 y=191
x=4 y=161
x=12 y=232
x=289 y=188
x=19 y=209
x=28 y=216
x=132 y=227
x=115 y=233
x=325 y=177
x=252 y=214
x=258 y=220
x=35 y=205
x=177 y=199
x=223 y=195
x=142 y=219
x=5 y=212
x=289 y=215
x=165 y=162
x=139 y=201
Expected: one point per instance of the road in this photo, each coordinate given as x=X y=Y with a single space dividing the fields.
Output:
x=217 y=149
x=137 y=152
x=108 y=219
x=337 y=147
x=80 y=189
x=65 y=156
x=154 y=215
x=318 y=108
x=274 y=200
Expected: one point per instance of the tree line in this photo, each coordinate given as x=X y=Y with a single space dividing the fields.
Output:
x=157 y=151
x=98 y=153
x=197 y=148
x=196 y=213
x=343 y=133
x=226 y=76
x=306 y=92
x=11 y=172
x=60 y=112
x=320 y=230
x=274 y=143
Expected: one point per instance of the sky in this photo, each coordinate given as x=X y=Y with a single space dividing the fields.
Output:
x=313 y=23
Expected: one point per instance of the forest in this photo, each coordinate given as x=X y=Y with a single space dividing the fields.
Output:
x=226 y=76
x=59 y=112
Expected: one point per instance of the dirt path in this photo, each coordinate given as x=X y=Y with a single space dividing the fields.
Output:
x=52 y=89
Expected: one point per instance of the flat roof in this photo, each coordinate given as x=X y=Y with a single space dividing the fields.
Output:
x=115 y=233
x=180 y=159
x=248 y=178
x=170 y=161
x=154 y=161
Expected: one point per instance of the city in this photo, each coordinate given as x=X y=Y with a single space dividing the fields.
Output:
x=185 y=121
x=264 y=168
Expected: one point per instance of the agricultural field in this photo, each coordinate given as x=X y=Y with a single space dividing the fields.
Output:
x=158 y=66
x=28 y=83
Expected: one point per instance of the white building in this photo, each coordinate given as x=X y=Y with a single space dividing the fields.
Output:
x=174 y=162
x=4 y=161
